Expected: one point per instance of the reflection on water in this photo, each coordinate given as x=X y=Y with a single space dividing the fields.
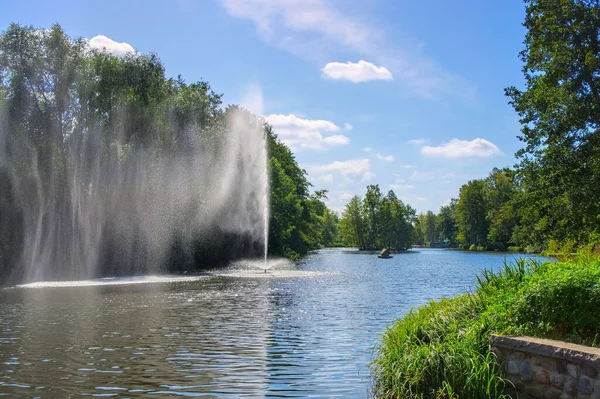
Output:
x=309 y=332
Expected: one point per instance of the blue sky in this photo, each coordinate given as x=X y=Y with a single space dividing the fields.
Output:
x=407 y=95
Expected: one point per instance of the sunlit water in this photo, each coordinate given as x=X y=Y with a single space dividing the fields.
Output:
x=307 y=330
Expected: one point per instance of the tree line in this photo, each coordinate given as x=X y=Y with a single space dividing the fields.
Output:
x=550 y=200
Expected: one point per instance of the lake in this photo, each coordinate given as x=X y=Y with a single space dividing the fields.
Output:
x=305 y=330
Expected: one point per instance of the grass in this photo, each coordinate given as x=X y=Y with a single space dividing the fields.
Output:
x=441 y=350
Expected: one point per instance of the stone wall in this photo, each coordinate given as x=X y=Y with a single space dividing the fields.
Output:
x=546 y=369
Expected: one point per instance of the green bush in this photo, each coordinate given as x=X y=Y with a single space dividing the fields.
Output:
x=481 y=248
x=514 y=249
x=473 y=247
x=440 y=350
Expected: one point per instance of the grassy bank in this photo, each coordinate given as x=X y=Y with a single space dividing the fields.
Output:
x=440 y=350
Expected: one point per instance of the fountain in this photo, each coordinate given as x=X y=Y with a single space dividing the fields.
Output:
x=109 y=168
x=120 y=209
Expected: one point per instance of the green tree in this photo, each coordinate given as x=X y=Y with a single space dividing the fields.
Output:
x=430 y=227
x=471 y=214
x=560 y=115
x=447 y=225
x=353 y=224
x=372 y=208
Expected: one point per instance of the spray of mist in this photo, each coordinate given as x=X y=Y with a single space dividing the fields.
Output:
x=120 y=208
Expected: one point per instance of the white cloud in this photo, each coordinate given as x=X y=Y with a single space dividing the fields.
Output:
x=462 y=148
x=318 y=30
x=108 y=45
x=417 y=141
x=406 y=166
x=354 y=169
x=325 y=178
x=412 y=199
x=337 y=139
x=348 y=126
x=299 y=133
x=356 y=72
x=346 y=196
x=422 y=176
x=367 y=149
x=400 y=187
x=386 y=158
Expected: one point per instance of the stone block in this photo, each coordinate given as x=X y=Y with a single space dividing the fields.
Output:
x=586 y=385
x=583 y=396
x=570 y=386
x=558 y=380
x=544 y=362
x=516 y=355
x=572 y=370
x=596 y=391
x=552 y=393
x=512 y=367
x=588 y=370
x=525 y=370
x=542 y=377
x=561 y=366
x=535 y=390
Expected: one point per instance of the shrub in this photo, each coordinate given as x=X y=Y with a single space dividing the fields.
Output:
x=440 y=350
x=473 y=247
x=514 y=249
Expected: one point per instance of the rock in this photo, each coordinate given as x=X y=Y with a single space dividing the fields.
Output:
x=544 y=362
x=535 y=390
x=588 y=370
x=558 y=380
x=596 y=392
x=572 y=370
x=525 y=370
x=552 y=393
x=542 y=376
x=570 y=386
x=512 y=367
x=586 y=385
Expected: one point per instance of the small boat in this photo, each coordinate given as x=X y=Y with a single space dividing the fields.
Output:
x=385 y=254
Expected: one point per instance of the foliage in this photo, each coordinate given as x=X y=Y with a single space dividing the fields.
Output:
x=442 y=347
x=560 y=114
x=61 y=102
x=377 y=221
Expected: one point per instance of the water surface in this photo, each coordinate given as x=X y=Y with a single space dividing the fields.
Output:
x=308 y=332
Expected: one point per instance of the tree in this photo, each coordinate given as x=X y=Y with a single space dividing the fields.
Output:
x=353 y=223
x=559 y=111
x=471 y=214
x=447 y=225
x=430 y=227
x=372 y=208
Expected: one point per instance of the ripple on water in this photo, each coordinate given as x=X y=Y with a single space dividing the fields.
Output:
x=300 y=330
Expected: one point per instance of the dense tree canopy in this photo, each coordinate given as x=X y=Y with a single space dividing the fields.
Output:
x=560 y=113
x=377 y=221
